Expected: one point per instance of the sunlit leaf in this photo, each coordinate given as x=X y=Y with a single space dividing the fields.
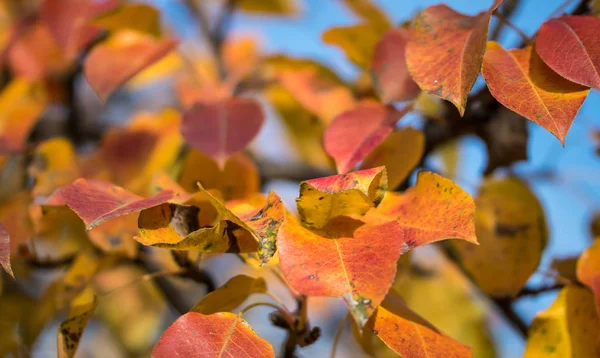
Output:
x=357 y=42
x=410 y=335
x=223 y=128
x=522 y=82
x=5 y=251
x=588 y=270
x=347 y=258
x=70 y=331
x=512 y=232
x=434 y=209
x=368 y=11
x=399 y=152
x=21 y=103
x=139 y=17
x=354 y=193
x=230 y=295
x=568 y=328
x=214 y=335
x=570 y=46
x=118 y=59
x=390 y=75
x=96 y=201
x=268 y=7
x=451 y=43
x=354 y=134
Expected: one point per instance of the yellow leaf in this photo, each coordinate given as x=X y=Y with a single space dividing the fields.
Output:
x=138 y=17
x=269 y=7
x=70 y=331
x=230 y=295
x=54 y=164
x=357 y=42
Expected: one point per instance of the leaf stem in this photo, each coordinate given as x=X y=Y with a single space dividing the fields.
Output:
x=338 y=334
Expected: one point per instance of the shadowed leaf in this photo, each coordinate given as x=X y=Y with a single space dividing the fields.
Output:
x=214 y=335
x=354 y=193
x=54 y=164
x=230 y=295
x=571 y=47
x=352 y=135
x=70 y=331
x=522 y=82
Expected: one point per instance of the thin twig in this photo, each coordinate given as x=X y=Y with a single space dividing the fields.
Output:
x=531 y=291
x=509 y=23
x=559 y=10
x=338 y=334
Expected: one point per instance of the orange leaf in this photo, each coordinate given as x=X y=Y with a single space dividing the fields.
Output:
x=67 y=21
x=354 y=193
x=96 y=201
x=410 y=335
x=5 y=251
x=434 y=209
x=522 y=82
x=215 y=335
x=390 y=75
x=223 y=128
x=347 y=258
x=588 y=270
x=571 y=47
x=122 y=56
x=445 y=50
x=352 y=135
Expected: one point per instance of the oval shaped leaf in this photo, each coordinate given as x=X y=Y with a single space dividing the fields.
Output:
x=217 y=335
x=222 y=128
x=522 y=82
x=230 y=295
x=570 y=45
x=352 y=135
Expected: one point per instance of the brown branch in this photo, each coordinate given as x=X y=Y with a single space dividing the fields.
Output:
x=532 y=291
x=506 y=306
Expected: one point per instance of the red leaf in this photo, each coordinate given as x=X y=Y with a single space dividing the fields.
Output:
x=352 y=135
x=96 y=201
x=221 y=334
x=5 y=251
x=348 y=259
x=222 y=128
x=115 y=61
x=522 y=82
x=388 y=68
x=570 y=45
x=445 y=50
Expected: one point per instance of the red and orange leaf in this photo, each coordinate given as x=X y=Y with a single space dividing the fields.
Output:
x=434 y=209
x=5 y=251
x=410 y=335
x=68 y=21
x=352 y=135
x=216 y=335
x=96 y=201
x=390 y=75
x=122 y=56
x=522 y=82
x=445 y=51
x=347 y=258
x=588 y=270
x=222 y=128
x=354 y=193
x=571 y=47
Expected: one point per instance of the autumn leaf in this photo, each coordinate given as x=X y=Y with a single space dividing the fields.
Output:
x=96 y=201
x=368 y=11
x=68 y=21
x=409 y=335
x=348 y=258
x=352 y=135
x=390 y=75
x=354 y=193
x=78 y=276
x=54 y=164
x=357 y=41
x=70 y=331
x=451 y=43
x=568 y=328
x=434 y=209
x=5 y=251
x=521 y=81
x=222 y=128
x=110 y=63
x=512 y=232
x=138 y=17
x=214 y=335
x=268 y=7
x=588 y=270
x=570 y=46
x=21 y=103
x=399 y=152
x=230 y=295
